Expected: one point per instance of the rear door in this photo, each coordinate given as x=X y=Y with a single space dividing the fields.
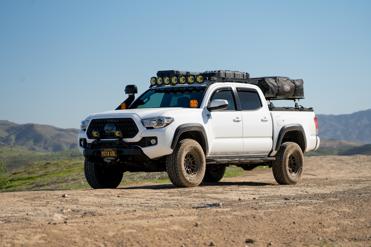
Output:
x=225 y=126
x=257 y=123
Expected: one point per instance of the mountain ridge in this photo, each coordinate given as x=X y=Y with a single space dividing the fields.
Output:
x=353 y=127
x=37 y=137
x=337 y=131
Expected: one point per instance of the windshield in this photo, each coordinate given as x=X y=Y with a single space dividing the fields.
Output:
x=188 y=97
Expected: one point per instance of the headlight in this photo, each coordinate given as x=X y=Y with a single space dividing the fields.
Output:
x=84 y=125
x=157 y=122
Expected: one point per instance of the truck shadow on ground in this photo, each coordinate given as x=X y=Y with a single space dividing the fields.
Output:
x=222 y=184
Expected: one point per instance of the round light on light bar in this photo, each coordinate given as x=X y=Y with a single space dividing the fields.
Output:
x=153 y=81
x=166 y=80
x=174 y=80
x=182 y=79
x=199 y=78
x=191 y=79
x=159 y=80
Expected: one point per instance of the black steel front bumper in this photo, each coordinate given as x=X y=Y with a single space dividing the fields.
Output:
x=125 y=151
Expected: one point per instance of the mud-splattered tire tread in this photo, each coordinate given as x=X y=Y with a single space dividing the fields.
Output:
x=214 y=173
x=174 y=164
x=279 y=165
x=97 y=180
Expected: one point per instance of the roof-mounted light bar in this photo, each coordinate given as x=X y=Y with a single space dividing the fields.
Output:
x=175 y=77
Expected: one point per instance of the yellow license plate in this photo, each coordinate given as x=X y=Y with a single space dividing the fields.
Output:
x=108 y=153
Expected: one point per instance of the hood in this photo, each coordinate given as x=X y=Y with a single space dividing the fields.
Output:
x=144 y=112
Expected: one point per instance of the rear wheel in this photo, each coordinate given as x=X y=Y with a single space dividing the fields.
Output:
x=214 y=173
x=288 y=166
x=187 y=164
x=100 y=176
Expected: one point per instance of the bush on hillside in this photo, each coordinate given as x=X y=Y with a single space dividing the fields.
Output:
x=3 y=175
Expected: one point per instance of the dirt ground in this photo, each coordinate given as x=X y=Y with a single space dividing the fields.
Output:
x=330 y=207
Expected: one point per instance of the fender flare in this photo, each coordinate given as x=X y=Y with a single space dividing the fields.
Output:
x=181 y=129
x=284 y=130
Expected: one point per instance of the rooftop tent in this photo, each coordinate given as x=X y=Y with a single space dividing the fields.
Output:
x=276 y=87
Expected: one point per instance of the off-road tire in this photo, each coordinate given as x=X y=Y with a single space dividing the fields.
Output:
x=214 y=173
x=288 y=166
x=187 y=164
x=100 y=176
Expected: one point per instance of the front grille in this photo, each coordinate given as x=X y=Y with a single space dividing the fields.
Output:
x=127 y=127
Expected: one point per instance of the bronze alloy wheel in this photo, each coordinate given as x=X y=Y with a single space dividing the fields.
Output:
x=187 y=164
x=288 y=166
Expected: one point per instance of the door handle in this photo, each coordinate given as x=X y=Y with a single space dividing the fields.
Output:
x=264 y=119
x=237 y=119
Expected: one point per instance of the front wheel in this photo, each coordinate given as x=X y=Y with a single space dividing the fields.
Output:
x=100 y=176
x=187 y=164
x=288 y=166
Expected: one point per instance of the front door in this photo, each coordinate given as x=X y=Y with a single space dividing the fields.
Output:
x=225 y=126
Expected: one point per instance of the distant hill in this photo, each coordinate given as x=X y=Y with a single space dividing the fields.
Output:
x=364 y=149
x=37 y=137
x=339 y=133
x=355 y=127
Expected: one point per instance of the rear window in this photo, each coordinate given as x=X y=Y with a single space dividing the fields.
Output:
x=249 y=99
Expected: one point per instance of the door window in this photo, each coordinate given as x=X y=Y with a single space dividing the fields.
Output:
x=249 y=99
x=226 y=94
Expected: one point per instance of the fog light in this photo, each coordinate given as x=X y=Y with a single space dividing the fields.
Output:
x=95 y=134
x=153 y=141
x=118 y=133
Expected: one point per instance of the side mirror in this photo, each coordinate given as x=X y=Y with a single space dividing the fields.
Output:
x=131 y=89
x=218 y=104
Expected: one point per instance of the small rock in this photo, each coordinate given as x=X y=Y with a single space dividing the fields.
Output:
x=211 y=243
x=64 y=195
x=209 y=205
x=65 y=222
x=239 y=199
x=269 y=244
x=249 y=241
x=254 y=198
x=286 y=198
x=118 y=196
x=197 y=224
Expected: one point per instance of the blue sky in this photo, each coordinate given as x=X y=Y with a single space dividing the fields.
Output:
x=61 y=60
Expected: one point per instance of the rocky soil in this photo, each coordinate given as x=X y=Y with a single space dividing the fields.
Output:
x=330 y=207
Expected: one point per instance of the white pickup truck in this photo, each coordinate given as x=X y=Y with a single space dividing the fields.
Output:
x=193 y=128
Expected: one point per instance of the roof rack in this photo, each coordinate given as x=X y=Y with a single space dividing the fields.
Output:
x=273 y=87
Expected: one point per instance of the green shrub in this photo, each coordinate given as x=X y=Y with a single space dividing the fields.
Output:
x=3 y=175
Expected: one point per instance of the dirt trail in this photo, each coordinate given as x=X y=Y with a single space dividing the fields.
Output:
x=330 y=207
